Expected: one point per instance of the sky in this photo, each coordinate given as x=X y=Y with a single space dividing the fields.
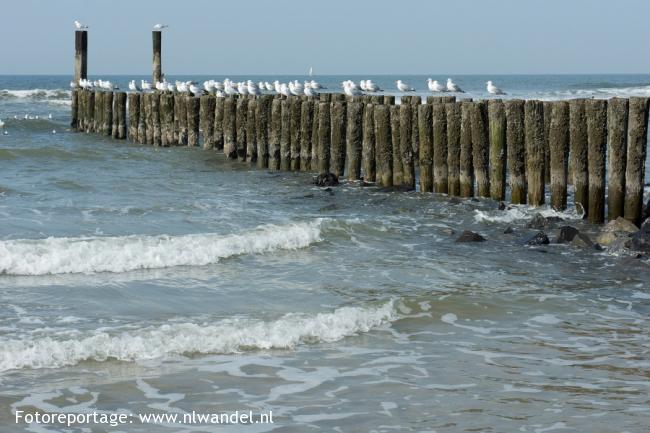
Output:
x=334 y=36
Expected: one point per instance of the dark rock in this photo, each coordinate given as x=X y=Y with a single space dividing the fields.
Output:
x=539 y=239
x=541 y=222
x=566 y=235
x=455 y=200
x=598 y=247
x=469 y=236
x=508 y=230
x=502 y=205
x=326 y=179
x=640 y=241
x=581 y=240
x=474 y=199
x=620 y=227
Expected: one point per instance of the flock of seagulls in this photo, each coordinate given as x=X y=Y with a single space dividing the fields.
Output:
x=96 y=84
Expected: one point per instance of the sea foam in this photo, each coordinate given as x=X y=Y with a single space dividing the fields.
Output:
x=128 y=253
x=223 y=337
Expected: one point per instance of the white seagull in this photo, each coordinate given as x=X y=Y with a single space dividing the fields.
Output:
x=453 y=87
x=80 y=26
x=403 y=87
x=494 y=90
x=195 y=89
x=160 y=26
x=308 y=89
x=435 y=86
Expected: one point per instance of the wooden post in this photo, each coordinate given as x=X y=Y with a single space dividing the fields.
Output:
x=637 y=142
x=180 y=117
x=558 y=139
x=324 y=137
x=440 y=99
x=617 y=119
x=547 y=148
x=134 y=116
x=389 y=100
x=295 y=106
x=596 y=113
x=398 y=175
x=142 y=120
x=167 y=119
x=155 y=119
x=383 y=146
x=306 y=124
x=80 y=56
x=480 y=148
x=120 y=110
x=217 y=131
x=107 y=115
x=207 y=106
x=440 y=169
x=369 y=166
x=534 y=133
x=251 y=132
x=452 y=114
x=425 y=152
x=157 y=49
x=263 y=119
x=497 y=125
x=74 y=100
x=241 y=111
x=578 y=153
x=98 y=113
x=193 y=108
x=285 y=136
x=416 y=101
x=466 y=164
x=81 y=95
x=354 y=139
x=516 y=150
x=275 y=134
x=337 y=162
x=406 y=146
x=230 y=128
x=314 y=135
x=116 y=115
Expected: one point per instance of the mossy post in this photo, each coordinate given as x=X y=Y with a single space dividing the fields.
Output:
x=80 y=110
x=167 y=119
x=548 y=107
x=617 y=119
x=337 y=153
x=275 y=134
x=416 y=101
x=134 y=116
x=480 y=148
x=206 y=119
x=389 y=100
x=148 y=118
x=637 y=142
x=354 y=139
x=398 y=176
x=74 y=108
x=534 y=133
x=383 y=146
x=596 y=113
x=314 y=136
x=241 y=111
x=285 y=136
x=180 y=118
x=558 y=140
x=217 y=130
x=294 y=136
x=142 y=120
x=306 y=125
x=406 y=146
x=497 y=126
x=251 y=130
x=156 y=37
x=155 y=119
x=466 y=163
x=116 y=116
x=263 y=120
x=425 y=152
x=439 y=131
x=120 y=111
x=440 y=99
x=230 y=128
x=193 y=108
x=324 y=137
x=578 y=153
x=98 y=113
x=452 y=114
x=107 y=115
x=516 y=150
x=80 y=56
x=369 y=167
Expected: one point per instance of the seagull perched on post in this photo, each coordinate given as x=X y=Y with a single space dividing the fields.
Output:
x=80 y=26
x=403 y=87
x=160 y=26
x=435 y=86
x=453 y=87
x=494 y=90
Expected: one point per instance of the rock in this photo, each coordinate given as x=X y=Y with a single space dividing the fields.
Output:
x=620 y=227
x=328 y=208
x=541 y=222
x=598 y=247
x=508 y=230
x=326 y=179
x=469 y=236
x=566 y=235
x=474 y=199
x=455 y=200
x=502 y=205
x=640 y=241
x=581 y=240
x=539 y=239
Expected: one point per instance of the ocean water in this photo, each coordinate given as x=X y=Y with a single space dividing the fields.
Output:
x=140 y=280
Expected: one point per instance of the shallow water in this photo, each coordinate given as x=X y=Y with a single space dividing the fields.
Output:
x=149 y=280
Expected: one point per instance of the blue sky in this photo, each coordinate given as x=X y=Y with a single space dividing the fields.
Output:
x=335 y=36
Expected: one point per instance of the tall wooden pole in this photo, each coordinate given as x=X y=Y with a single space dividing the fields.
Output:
x=157 y=45
x=80 y=56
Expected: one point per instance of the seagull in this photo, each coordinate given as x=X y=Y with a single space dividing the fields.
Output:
x=160 y=26
x=253 y=89
x=453 y=87
x=208 y=86
x=351 y=89
x=80 y=26
x=220 y=94
x=435 y=86
x=54 y=131
x=229 y=88
x=403 y=87
x=268 y=86
x=494 y=90
x=284 y=90
x=316 y=85
x=194 y=89
x=242 y=88
x=145 y=85
x=372 y=87
x=309 y=91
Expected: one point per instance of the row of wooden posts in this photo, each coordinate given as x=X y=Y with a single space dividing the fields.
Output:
x=461 y=148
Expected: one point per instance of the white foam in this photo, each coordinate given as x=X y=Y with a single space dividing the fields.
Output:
x=547 y=319
x=225 y=336
x=35 y=93
x=522 y=213
x=127 y=253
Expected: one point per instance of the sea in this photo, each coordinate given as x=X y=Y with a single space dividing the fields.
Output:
x=139 y=281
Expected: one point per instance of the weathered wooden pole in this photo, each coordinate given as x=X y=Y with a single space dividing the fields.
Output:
x=480 y=148
x=80 y=56
x=440 y=99
x=217 y=130
x=107 y=115
x=116 y=115
x=596 y=113
x=74 y=101
x=207 y=106
x=148 y=105
x=167 y=119
x=416 y=101
x=368 y=156
x=383 y=146
x=578 y=153
x=157 y=60
x=516 y=150
x=98 y=113
x=466 y=164
x=389 y=100
x=548 y=107
x=285 y=136
x=295 y=107
x=251 y=131
x=193 y=108
x=440 y=168
x=241 y=112
x=314 y=135
x=120 y=109
x=134 y=116
x=354 y=139
x=406 y=146
x=263 y=119
x=324 y=137
x=275 y=134
x=155 y=116
x=79 y=124
x=558 y=138
x=398 y=176
x=534 y=133
x=617 y=120
x=337 y=153
x=497 y=126
x=425 y=151
x=230 y=128
x=142 y=120
x=637 y=142
x=452 y=114
x=306 y=124
x=180 y=119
